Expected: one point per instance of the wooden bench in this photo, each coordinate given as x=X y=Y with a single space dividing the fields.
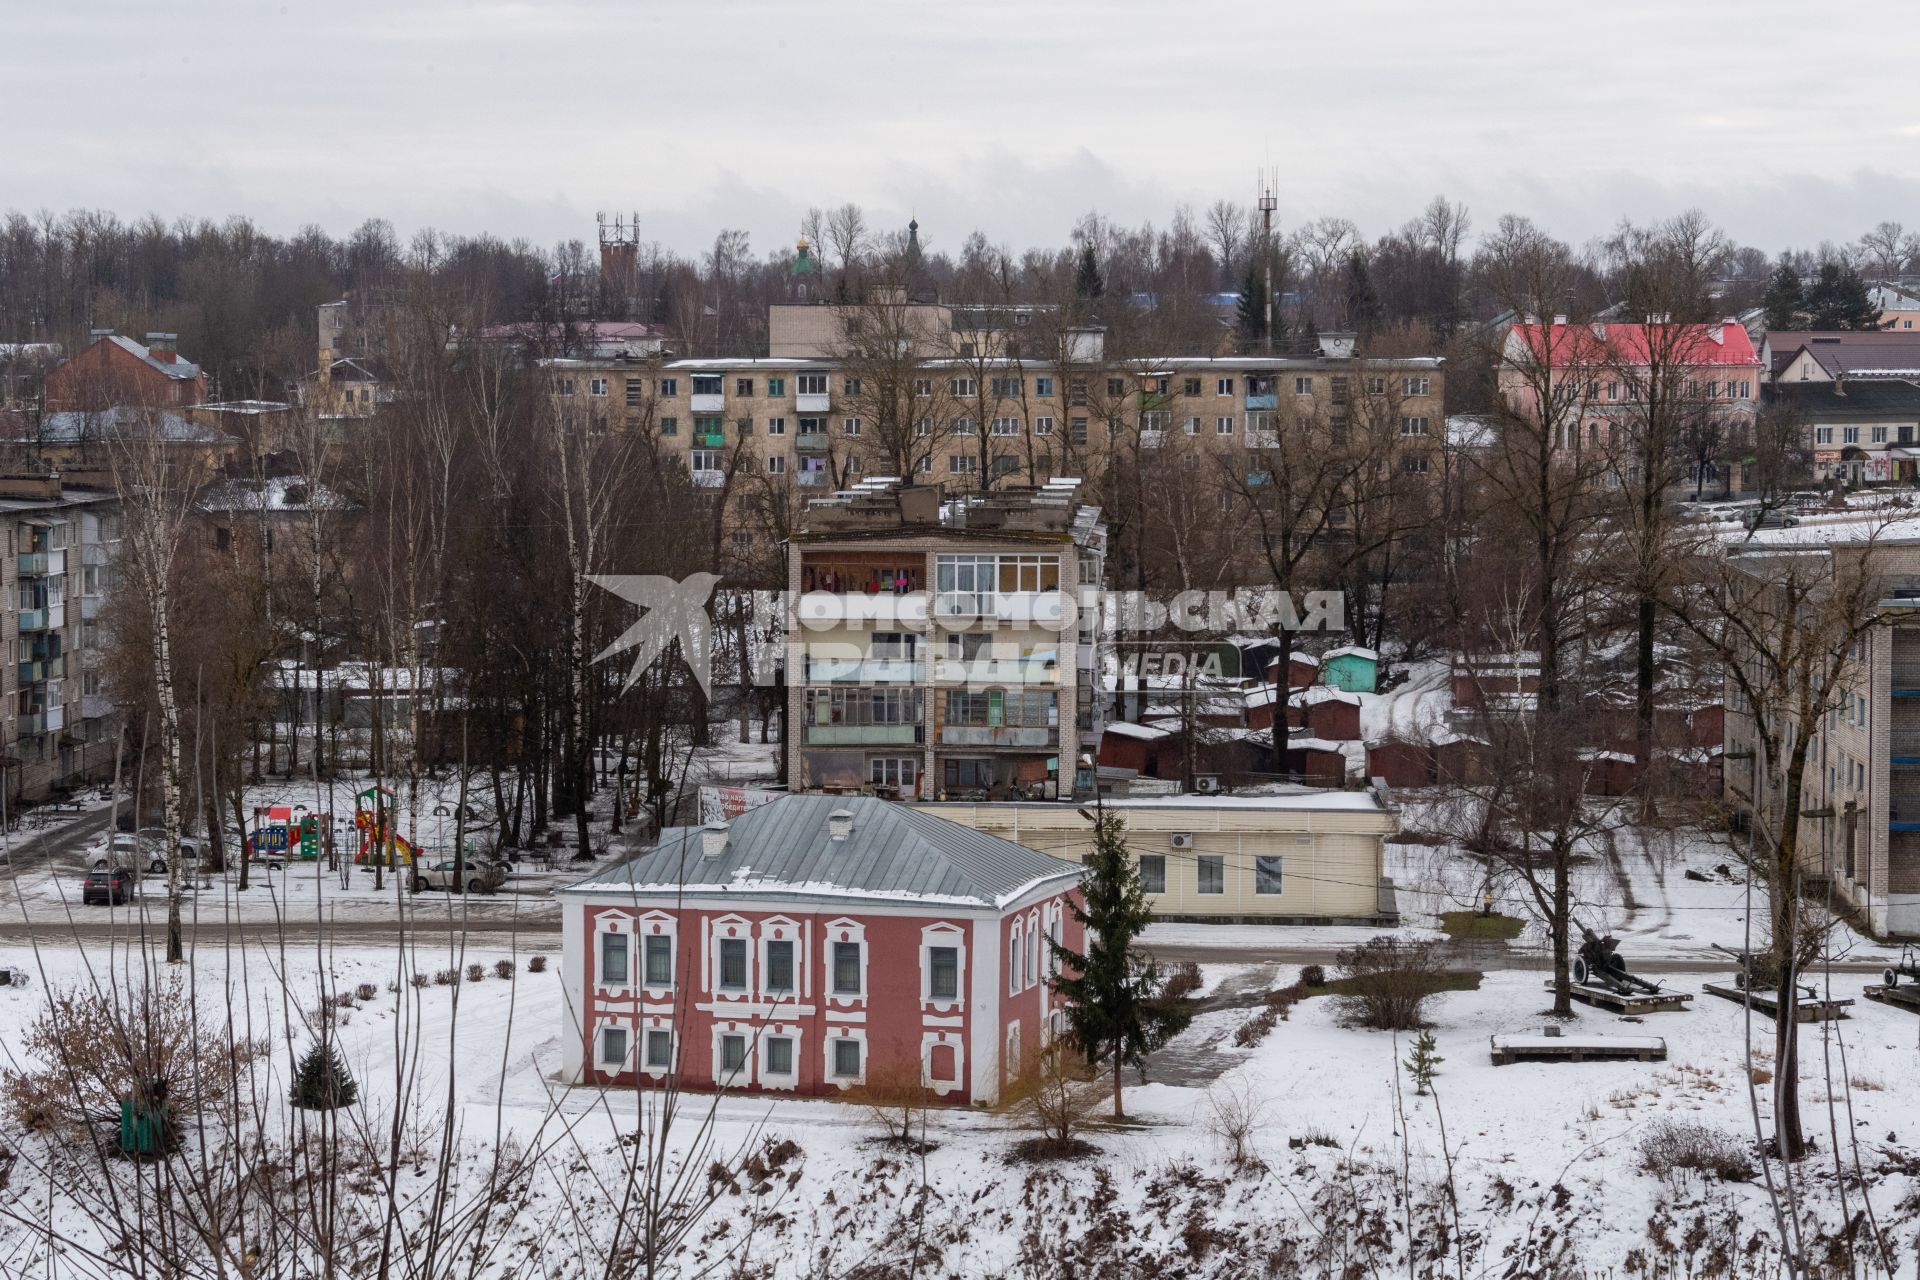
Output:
x=1763 y=1002
x=1614 y=1002
x=1577 y=1048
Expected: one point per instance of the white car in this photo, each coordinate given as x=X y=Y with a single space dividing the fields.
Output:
x=478 y=875
x=134 y=852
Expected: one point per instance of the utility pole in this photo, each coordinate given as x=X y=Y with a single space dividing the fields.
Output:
x=1267 y=205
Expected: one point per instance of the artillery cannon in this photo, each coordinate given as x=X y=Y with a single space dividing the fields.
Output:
x=1907 y=966
x=1754 y=972
x=1600 y=964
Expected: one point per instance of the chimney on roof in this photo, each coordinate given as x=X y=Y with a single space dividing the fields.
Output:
x=1559 y=319
x=100 y=333
x=839 y=824
x=713 y=840
x=1337 y=346
x=160 y=347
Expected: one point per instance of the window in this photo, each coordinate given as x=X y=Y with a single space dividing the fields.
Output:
x=1079 y=428
x=893 y=771
x=853 y=464
x=1033 y=951
x=743 y=386
x=1223 y=386
x=846 y=1059
x=613 y=1047
x=776 y=387
x=660 y=1049
x=964 y=427
x=850 y=426
x=780 y=966
x=1266 y=875
x=1043 y=386
x=779 y=1056
x=1153 y=420
x=776 y=426
x=963 y=464
x=743 y=427
x=962 y=386
x=1014 y=960
x=1116 y=386
x=633 y=393
x=1849 y=435
x=1190 y=387
x=776 y=465
x=925 y=464
x=733 y=964
x=1415 y=386
x=1191 y=426
x=597 y=387
x=1223 y=426
x=1303 y=386
x=1416 y=465
x=1077 y=390
x=1153 y=872
x=733 y=1054
x=707 y=384
x=1005 y=465
x=669 y=426
x=811 y=384
x=850 y=385
x=705 y=459
x=659 y=957
x=1414 y=426
x=563 y=386
x=1337 y=386
x=1212 y=870
x=1613 y=391
x=846 y=968
x=1823 y=435
x=613 y=959
x=923 y=387
x=1006 y=426
x=1043 y=426
x=943 y=973
x=813 y=426
x=1879 y=435
x=1007 y=388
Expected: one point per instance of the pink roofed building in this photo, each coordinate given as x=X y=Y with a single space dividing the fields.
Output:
x=1604 y=381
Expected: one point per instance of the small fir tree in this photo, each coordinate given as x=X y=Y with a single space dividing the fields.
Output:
x=1837 y=299
x=323 y=1082
x=1423 y=1062
x=1252 y=319
x=1087 y=283
x=1785 y=296
x=1112 y=989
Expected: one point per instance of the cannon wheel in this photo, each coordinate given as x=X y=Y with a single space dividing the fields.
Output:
x=1580 y=970
x=1892 y=977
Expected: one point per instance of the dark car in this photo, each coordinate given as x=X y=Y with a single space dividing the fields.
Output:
x=107 y=886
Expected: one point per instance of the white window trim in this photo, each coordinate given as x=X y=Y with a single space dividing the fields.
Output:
x=1033 y=947
x=600 y=1061
x=1015 y=950
x=943 y=935
x=789 y=1079
x=931 y=1040
x=648 y=1027
x=718 y=928
x=608 y=922
x=835 y=1034
x=1010 y=1053
x=744 y=1077
x=658 y=924
x=845 y=930
x=791 y=931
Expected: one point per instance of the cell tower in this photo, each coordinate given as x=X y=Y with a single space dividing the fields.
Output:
x=619 y=248
x=1267 y=205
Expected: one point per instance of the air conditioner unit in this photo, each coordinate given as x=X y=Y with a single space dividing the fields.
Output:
x=1183 y=839
x=1207 y=784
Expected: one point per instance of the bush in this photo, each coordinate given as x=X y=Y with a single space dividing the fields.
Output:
x=1313 y=976
x=896 y=1101
x=445 y=978
x=418 y=980
x=537 y=964
x=1255 y=1029
x=1387 y=982
x=1053 y=1093
x=503 y=969
x=476 y=973
x=1183 y=981
x=1235 y=1117
x=1686 y=1146
x=1282 y=1001
x=366 y=991
x=322 y=1082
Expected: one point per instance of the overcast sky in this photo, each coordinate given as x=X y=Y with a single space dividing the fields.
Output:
x=1788 y=123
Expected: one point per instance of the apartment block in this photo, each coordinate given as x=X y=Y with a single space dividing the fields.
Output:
x=61 y=541
x=944 y=647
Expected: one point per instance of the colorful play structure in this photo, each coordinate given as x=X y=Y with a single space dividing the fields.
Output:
x=373 y=814
x=277 y=834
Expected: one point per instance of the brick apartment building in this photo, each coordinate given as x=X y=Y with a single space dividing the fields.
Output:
x=113 y=371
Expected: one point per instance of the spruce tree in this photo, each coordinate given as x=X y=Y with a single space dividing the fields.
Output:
x=1087 y=283
x=1785 y=297
x=1363 y=305
x=323 y=1082
x=1112 y=989
x=1424 y=1062
x=1838 y=299
x=1252 y=319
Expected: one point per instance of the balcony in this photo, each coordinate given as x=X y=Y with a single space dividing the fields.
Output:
x=708 y=479
x=862 y=671
x=1265 y=401
x=710 y=439
x=94 y=553
x=854 y=735
x=1041 y=669
x=1262 y=438
x=32 y=722
x=33 y=619
x=95 y=706
x=56 y=718
x=708 y=402
x=32 y=672
x=811 y=442
x=1042 y=607
x=1152 y=439
x=55 y=668
x=958 y=735
x=806 y=402
x=90 y=607
x=33 y=564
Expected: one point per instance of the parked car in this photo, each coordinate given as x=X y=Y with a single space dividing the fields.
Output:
x=479 y=875
x=129 y=852
x=108 y=886
x=1762 y=518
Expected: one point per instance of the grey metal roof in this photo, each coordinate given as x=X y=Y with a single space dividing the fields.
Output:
x=782 y=848
x=177 y=369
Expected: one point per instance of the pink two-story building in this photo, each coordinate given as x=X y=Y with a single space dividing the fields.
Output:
x=810 y=943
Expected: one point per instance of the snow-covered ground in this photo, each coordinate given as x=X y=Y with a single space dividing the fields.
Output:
x=1545 y=1157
